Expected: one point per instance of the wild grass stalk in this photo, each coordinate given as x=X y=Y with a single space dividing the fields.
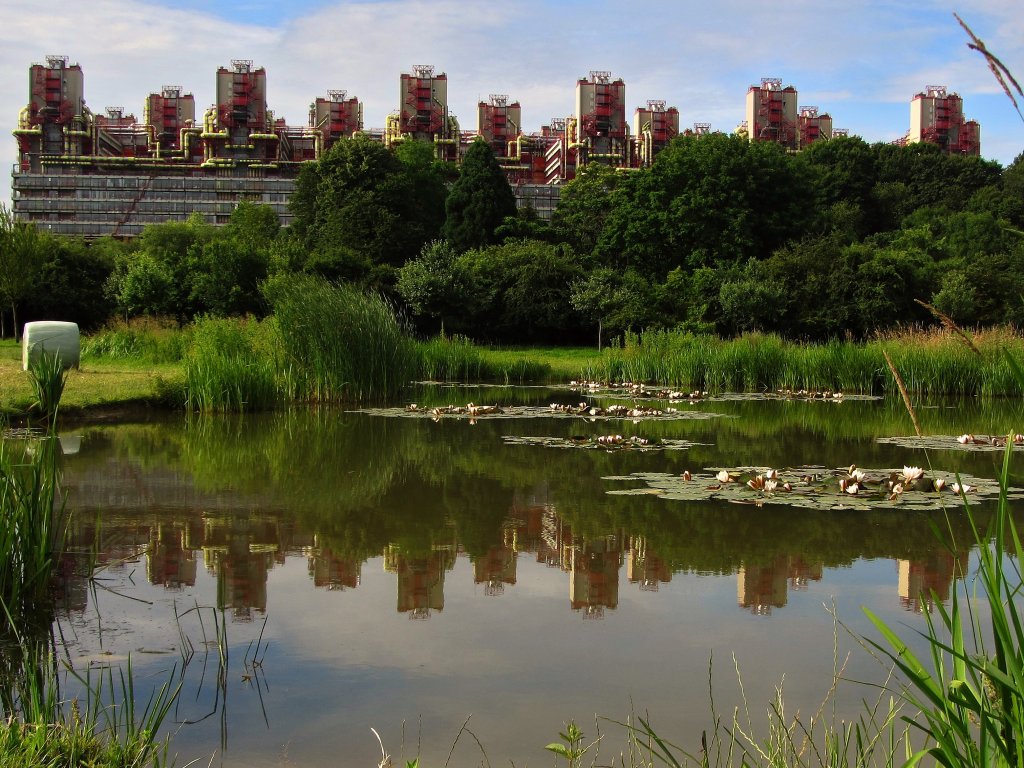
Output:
x=450 y=358
x=341 y=343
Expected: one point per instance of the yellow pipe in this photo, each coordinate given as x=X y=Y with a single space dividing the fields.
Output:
x=264 y=137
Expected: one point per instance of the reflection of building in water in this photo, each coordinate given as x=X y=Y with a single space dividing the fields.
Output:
x=168 y=561
x=802 y=573
x=240 y=550
x=644 y=567
x=420 y=579
x=761 y=587
x=496 y=568
x=330 y=571
x=594 y=575
x=922 y=582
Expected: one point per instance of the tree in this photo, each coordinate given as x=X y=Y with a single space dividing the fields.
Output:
x=616 y=301
x=362 y=200
x=706 y=201
x=518 y=291
x=71 y=285
x=431 y=285
x=479 y=201
x=21 y=258
x=584 y=205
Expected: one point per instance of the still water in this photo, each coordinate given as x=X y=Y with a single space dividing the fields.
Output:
x=388 y=570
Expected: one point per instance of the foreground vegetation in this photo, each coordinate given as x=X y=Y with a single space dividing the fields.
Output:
x=107 y=727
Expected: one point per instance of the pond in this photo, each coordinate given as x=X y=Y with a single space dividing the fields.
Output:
x=407 y=571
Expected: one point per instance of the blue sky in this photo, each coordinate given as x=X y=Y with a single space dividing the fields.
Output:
x=859 y=60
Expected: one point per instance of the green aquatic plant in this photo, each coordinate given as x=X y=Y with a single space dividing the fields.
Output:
x=232 y=366
x=339 y=343
x=33 y=525
x=48 y=375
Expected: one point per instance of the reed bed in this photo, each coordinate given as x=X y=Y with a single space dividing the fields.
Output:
x=233 y=366
x=450 y=358
x=933 y=362
x=340 y=343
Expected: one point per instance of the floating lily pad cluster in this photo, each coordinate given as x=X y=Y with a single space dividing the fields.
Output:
x=603 y=442
x=555 y=410
x=816 y=487
x=642 y=391
x=956 y=442
x=633 y=389
x=826 y=395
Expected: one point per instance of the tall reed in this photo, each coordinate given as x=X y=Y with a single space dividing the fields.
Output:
x=933 y=362
x=232 y=366
x=47 y=376
x=33 y=526
x=342 y=344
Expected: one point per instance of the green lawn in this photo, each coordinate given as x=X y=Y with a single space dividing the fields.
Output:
x=95 y=383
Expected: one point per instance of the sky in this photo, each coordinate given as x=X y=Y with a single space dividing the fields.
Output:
x=861 y=61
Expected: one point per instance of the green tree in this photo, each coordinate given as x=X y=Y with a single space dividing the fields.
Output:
x=479 y=201
x=72 y=280
x=142 y=284
x=616 y=301
x=584 y=205
x=706 y=201
x=519 y=291
x=22 y=255
x=431 y=285
x=361 y=204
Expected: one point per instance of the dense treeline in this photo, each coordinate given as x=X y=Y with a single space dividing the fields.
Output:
x=719 y=235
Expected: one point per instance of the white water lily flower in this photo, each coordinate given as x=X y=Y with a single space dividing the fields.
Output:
x=770 y=485
x=852 y=489
x=957 y=488
x=965 y=439
x=723 y=476
x=911 y=474
x=771 y=474
x=939 y=484
x=858 y=476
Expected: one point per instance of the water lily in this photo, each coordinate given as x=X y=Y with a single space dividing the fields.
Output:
x=911 y=474
x=757 y=483
x=723 y=476
x=770 y=485
x=957 y=488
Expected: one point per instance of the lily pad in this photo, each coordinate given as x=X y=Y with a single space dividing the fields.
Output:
x=683 y=399
x=626 y=444
x=812 y=487
x=535 y=412
x=981 y=443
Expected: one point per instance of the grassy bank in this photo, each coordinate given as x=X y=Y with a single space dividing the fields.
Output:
x=345 y=347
